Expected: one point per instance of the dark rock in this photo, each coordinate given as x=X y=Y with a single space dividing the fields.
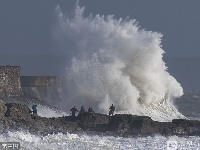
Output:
x=125 y=125
x=186 y=123
x=92 y=120
x=134 y=124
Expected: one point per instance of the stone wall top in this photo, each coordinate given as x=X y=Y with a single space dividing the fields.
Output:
x=10 y=81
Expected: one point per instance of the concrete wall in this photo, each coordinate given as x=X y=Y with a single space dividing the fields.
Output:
x=39 y=81
x=49 y=89
x=10 y=81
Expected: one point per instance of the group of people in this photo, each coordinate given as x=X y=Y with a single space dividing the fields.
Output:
x=74 y=110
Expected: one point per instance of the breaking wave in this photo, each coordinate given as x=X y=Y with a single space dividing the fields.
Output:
x=90 y=142
x=113 y=61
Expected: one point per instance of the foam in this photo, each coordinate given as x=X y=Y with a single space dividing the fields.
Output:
x=113 y=61
x=83 y=141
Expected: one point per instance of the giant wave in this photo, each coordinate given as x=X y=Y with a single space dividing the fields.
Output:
x=113 y=61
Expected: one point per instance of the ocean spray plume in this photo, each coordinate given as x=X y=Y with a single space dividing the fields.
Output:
x=114 y=61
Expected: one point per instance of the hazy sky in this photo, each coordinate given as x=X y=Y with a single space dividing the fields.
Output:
x=26 y=31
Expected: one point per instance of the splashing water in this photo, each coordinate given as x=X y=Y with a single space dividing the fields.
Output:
x=113 y=61
x=90 y=142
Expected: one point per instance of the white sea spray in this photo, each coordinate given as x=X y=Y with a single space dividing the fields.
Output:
x=90 y=142
x=113 y=61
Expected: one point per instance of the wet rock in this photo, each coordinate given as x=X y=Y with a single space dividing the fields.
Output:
x=125 y=125
x=92 y=120
x=2 y=109
x=130 y=124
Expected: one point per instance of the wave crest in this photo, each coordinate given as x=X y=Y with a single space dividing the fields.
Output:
x=114 y=61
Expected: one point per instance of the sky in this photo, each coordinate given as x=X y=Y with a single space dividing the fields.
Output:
x=26 y=33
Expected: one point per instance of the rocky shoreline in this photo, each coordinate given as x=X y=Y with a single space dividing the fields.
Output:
x=125 y=125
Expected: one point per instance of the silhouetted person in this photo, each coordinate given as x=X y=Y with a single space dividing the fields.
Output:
x=90 y=109
x=82 y=110
x=112 y=109
x=34 y=107
x=8 y=111
x=73 y=110
x=34 y=115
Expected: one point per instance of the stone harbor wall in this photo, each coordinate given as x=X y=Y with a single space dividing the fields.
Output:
x=45 y=88
x=49 y=89
x=10 y=81
x=39 y=81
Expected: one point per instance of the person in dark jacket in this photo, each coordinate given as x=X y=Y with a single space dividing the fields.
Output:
x=34 y=107
x=82 y=110
x=8 y=111
x=34 y=112
x=112 y=109
x=73 y=110
x=90 y=109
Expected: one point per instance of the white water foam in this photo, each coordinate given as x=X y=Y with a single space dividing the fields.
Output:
x=85 y=142
x=114 y=61
x=46 y=111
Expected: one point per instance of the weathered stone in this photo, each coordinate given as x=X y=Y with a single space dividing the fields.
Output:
x=92 y=120
x=2 y=109
x=118 y=125
x=10 y=81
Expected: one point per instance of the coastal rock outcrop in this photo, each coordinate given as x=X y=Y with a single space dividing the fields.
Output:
x=17 y=117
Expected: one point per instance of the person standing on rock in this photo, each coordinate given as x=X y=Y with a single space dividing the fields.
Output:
x=73 y=110
x=8 y=111
x=112 y=109
x=34 y=115
x=90 y=110
x=82 y=110
x=34 y=107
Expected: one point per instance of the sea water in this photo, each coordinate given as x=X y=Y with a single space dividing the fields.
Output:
x=86 y=141
x=95 y=142
x=113 y=61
